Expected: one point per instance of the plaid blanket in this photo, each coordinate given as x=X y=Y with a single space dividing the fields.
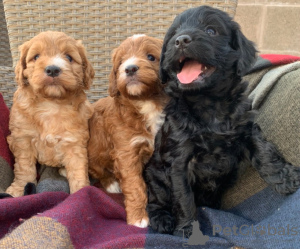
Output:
x=252 y=216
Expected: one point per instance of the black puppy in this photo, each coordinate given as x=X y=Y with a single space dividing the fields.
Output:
x=209 y=132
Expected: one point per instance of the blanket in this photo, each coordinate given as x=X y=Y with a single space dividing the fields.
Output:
x=252 y=214
x=6 y=158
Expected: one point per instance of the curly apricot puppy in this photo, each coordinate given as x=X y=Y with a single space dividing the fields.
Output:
x=50 y=112
x=124 y=124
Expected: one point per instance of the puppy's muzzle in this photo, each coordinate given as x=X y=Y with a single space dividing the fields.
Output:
x=131 y=70
x=182 y=41
x=52 y=71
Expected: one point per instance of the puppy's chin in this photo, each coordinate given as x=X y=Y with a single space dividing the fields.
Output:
x=57 y=87
x=54 y=91
x=134 y=88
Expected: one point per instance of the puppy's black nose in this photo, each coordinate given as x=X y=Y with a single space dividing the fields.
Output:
x=52 y=71
x=183 y=41
x=131 y=70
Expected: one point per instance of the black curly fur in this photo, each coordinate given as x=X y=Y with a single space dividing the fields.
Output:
x=209 y=131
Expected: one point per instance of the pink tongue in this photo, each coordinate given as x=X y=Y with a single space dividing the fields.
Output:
x=190 y=71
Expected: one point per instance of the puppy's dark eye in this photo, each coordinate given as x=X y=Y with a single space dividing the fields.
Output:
x=210 y=31
x=69 y=58
x=150 y=57
x=36 y=57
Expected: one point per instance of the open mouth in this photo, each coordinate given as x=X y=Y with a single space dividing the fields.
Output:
x=193 y=71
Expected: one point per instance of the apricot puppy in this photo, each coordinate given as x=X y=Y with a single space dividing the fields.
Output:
x=50 y=112
x=124 y=124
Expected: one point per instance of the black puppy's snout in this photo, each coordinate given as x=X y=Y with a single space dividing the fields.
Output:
x=183 y=41
x=52 y=71
x=131 y=70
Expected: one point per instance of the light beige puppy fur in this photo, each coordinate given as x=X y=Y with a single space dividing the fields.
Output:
x=50 y=112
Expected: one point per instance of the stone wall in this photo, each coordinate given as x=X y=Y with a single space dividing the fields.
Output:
x=274 y=25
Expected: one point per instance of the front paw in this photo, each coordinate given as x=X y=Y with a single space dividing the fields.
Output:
x=290 y=180
x=114 y=188
x=183 y=232
x=162 y=221
x=141 y=223
x=4 y=195
x=15 y=191
x=137 y=217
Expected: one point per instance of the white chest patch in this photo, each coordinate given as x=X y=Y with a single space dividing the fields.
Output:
x=154 y=117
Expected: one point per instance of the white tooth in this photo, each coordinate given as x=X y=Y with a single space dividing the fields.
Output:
x=205 y=68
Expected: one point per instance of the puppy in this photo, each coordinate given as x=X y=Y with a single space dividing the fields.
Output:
x=209 y=131
x=124 y=124
x=50 y=112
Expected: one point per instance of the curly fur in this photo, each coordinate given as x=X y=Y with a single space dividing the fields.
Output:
x=209 y=132
x=124 y=124
x=49 y=116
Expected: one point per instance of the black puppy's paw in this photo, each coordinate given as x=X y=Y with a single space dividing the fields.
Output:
x=290 y=180
x=4 y=195
x=185 y=231
x=162 y=221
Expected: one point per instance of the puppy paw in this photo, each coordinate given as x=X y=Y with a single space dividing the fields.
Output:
x=114 y=188
x=290 y=180
x=63 y=172
x=4 y=195
x=162 y=221
x=138 y=218
x=183 y=232
x=142 y=223
x=15 y=191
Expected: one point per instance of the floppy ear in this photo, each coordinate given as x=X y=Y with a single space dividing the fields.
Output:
x=245 y=48
x=87 y=68
x=21 y=65
x=112 y=88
